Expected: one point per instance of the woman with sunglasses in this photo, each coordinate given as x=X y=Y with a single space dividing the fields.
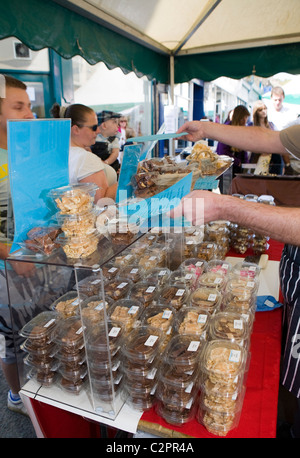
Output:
x=84 y=166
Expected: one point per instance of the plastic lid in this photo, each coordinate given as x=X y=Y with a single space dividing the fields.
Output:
x=219 y=266
x=67 y=305
x=145 y=292
x=41 y=326
x=212 y=278
x=196 y=265
x=183 y=350
x=175 y=295
x=158 y=275
x=206 y=298
x=246 y=269
x=126 y=311
x=192 y=320
x=143 y=344
x=117 y=288
x=159 y=316
x=229 y=325
x=223 y=358
x=104 y=335
x=69 y=334
x=187 y=278
x=75 y=198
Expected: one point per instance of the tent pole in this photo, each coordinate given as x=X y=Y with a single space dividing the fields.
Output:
x=171 y=141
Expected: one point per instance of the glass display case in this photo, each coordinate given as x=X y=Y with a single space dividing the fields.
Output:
x=70 y=316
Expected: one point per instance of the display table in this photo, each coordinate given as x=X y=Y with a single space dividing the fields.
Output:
x=258 y=419
x=284 y=189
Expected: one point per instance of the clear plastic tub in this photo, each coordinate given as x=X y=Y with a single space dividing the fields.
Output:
x=223 y=361
x=117 y=288
x=194 y=265
x=133 y=272
x=73 y=387
x=79 y=224
x=92 y=310
x=42 y=364
x=67 y=305
x=107 y=391
x=177 y=416
x=205 y=251
x=79 y=247
x=125 y=259
x=230 y=326
x=145 y=292
x=111 y=271
x=143 y=344
x=73 y=374
x=69 y=335
x=90 y=286
x=225 y=402
x=246 y=270
x=139 y=400
x=192 y=320
x=213 y=279
x=159 y=316
x=219 y=266
x=97 y=342
x=127 y=312
x=40 y=329
x=158 y=275
x=183 y=351
x=77 y=198
x=242 y=287
x=217 y=423
x=187 y=278
x=174 y=295
x=155 y=256
x=205 y=298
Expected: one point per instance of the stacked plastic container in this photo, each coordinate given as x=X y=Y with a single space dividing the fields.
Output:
x=141 y=352
x=71 y=354
x=226 y=356
x=40 y=348
x=103 y=350
x=77 y=218
x=177 y=386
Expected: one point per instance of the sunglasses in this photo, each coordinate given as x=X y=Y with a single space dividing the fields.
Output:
x=93 y=128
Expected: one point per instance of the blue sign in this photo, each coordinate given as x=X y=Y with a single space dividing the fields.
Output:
x=38 y=161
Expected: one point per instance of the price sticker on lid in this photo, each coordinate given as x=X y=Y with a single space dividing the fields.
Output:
x=151 y=341
x=235 y=356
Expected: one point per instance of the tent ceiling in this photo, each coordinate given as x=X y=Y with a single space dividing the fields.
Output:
x=199 y=25
x=208 y=38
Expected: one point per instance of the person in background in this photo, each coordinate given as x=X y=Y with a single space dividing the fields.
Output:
x=14 y=104
x=260 y=118
x=280 y=115
x=280 y=223
x=123 y=125
x=130 y=133
x=239 y=118
x=84 y=166
x=107 y=144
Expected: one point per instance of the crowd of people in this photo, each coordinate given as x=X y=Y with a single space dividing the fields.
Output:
x=276 y=117
x=96 y=142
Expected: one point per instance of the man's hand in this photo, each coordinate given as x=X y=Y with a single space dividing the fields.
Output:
x=194 y=129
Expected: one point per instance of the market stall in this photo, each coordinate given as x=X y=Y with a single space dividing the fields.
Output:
x=258 y=415
x=284 y=189
x=118 y=300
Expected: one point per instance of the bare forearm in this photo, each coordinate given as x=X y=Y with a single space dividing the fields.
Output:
x=280 y=223
x=249 y=138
